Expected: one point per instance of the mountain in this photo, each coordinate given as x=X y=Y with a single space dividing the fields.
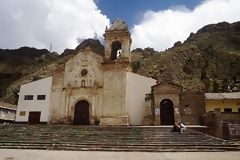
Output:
x=17 y=63
x=208 y=60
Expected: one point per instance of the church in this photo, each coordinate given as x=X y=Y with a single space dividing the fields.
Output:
x=97 y=87
x=90 y=88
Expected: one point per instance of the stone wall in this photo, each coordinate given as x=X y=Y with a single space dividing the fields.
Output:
x=231 y=130
x=223 y=125
x=7 y=115
x=192 y=107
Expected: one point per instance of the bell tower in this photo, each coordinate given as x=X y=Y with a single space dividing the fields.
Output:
x=117 y=43
x=116 y=65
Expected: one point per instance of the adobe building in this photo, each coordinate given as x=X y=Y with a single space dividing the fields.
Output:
x=168 y=104
x=193 y=107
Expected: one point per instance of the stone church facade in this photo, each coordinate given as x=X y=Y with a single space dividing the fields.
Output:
x=98 y=88
x=93 y=88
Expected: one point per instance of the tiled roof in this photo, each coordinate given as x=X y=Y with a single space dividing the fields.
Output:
x=8 y=105
x=232 y=95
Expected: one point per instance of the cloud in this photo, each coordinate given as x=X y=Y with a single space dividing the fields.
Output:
x=37 y=23
x=162 y=29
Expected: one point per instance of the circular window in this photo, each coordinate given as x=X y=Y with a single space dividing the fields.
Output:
x=84 y=72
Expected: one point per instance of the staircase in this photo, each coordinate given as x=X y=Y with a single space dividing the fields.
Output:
x=95 y=138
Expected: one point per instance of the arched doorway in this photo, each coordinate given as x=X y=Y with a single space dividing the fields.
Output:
x=81 y=113
x=166 y=112
x=116 y=50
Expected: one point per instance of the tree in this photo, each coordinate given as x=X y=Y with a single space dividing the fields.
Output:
x=136 y=66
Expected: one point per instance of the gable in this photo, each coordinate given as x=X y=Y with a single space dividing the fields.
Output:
x=85 y=60
x=167 y=88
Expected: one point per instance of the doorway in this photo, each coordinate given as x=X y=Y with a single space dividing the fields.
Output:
x=34 y=117
x=166 y=112
x=81 y=114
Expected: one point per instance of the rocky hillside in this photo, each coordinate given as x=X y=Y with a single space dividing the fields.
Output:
x=18 y=63
x=208 y=60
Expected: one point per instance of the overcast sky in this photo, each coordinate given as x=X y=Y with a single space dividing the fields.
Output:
x=157 y=24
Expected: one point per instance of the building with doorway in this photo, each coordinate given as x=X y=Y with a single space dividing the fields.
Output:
x=168 y=104
x=223 y=102
x=93 y=87
x=99 y=87
x=34 y=102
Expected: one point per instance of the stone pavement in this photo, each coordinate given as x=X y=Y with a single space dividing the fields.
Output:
x=8 y=154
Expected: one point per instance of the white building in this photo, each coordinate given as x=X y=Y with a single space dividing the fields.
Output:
x=34 y=102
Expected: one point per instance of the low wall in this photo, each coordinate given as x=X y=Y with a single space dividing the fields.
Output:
x=231 y=130
x=223 y=125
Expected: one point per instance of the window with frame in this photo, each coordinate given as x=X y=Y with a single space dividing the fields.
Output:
x=28 y=97
x=217 y=109
x=227 y=110
x=22 y=113
x=41 y=97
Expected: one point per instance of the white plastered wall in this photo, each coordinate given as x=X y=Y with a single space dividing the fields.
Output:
x=39 y=87
x=138 y=87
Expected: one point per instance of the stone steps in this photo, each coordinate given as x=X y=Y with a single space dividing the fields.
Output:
x=104 y=147
x=81 y=138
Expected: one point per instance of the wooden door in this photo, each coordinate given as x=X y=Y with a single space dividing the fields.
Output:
x=81 y=114
x=167 y=112
x=34 y=117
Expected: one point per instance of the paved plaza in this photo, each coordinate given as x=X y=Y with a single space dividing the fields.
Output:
x=8 y=154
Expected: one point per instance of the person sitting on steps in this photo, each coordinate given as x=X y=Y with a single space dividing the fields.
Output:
x=176 y=128
x=182 y=127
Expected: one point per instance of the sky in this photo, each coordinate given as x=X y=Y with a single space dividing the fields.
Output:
x=152 y=23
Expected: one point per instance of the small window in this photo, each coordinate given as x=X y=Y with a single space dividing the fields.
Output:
x=83 y=83
x=41 y=97
x=227 y=110
x=84 y=72
x=22 y=113
x=28 y=97
x=217 y=109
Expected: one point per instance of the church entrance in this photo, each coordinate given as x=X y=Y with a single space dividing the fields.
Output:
x=166 y=112
x=81 y=114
